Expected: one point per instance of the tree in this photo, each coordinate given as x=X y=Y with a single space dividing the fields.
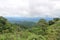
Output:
x=3 y=20
x=42 y=23
x=5 y=26
x=51 y=22
x=56 y=19
x=40 y=27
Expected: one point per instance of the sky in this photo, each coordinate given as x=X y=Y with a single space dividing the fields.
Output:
x=30 y=8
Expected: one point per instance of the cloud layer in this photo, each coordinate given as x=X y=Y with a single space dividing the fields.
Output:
x=30 y=8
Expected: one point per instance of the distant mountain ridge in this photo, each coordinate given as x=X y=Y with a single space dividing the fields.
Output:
x=35 y=19
x=28 y=22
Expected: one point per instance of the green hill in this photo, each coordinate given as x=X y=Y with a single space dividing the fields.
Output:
x=43 y=30
x=53 y=31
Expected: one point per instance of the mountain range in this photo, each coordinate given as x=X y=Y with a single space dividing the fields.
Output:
x=34 y=19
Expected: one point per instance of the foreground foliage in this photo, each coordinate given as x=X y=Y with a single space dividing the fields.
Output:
x=43 y=30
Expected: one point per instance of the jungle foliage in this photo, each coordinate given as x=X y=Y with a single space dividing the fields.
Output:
x=42 y=30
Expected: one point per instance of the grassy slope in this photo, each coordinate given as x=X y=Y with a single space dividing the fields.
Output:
x=53 y=31
x=52 y=34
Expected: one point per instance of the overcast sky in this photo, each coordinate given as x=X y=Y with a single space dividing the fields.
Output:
x=30 y=8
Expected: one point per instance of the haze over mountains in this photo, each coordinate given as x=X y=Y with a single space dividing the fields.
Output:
x=34 y=19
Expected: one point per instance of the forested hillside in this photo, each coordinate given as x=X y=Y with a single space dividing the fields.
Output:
x=42 y=30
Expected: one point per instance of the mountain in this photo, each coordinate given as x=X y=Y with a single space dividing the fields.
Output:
x=34 y=19
x=12 y=19
x=26 y=21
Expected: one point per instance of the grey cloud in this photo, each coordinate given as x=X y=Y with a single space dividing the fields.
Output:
x=29 y=8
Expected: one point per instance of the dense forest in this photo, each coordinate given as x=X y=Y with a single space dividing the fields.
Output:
x=41 y=30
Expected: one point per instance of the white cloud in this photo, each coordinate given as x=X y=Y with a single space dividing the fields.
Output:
x=30 y=8
x=14 y=7
x=45 y=7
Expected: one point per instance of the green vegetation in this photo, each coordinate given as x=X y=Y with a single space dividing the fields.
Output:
x=42 y=30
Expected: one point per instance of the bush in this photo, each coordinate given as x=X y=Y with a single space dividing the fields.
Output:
x=36 y=37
